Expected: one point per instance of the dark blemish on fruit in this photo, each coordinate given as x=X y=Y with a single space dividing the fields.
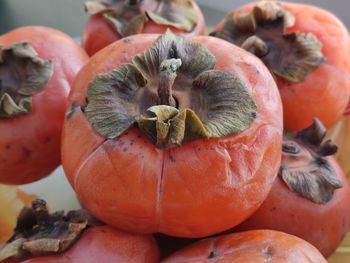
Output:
x=120 y=143
x=254 y=114
x=212 y=254
x=139 y=136
x=126 y=133
x=132 y=142
x=125 y=149
x=26 y=152
x=74 y=107
x=127 y=40
x=172 y=158
x=8 y=146
x=257 y=72
x=273 y=209
x=266 y=252
x=47 y=139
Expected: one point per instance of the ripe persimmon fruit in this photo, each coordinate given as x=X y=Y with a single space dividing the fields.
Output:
x=166 y=134
x=112 y=20
x=306 y=48
x=37 y=68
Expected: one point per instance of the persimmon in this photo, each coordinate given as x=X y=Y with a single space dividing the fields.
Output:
x=307 y=50
x=311 y=197
x=73 y=237
x=37 y=68
x=165 y=134
x=111 y=20
x=250 y=247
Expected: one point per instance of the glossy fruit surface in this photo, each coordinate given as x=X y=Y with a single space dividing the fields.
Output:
x=30 y=144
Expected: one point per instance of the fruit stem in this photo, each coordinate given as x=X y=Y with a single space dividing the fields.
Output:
x=134 y=2
x=41 y=213
x=255 y=45
x=168 y=69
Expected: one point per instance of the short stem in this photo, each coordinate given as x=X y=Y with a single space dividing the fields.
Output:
x=134 y=2
x=41 y=213
x=255 y=45
x=168 y=69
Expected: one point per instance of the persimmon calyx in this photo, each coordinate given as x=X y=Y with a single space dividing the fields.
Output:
x=22 y=74
x=304 y=168
x=173 y=94
x=40 y=233
x=129 y=17
x=290 y=56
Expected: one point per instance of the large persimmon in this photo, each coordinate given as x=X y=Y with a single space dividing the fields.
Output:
x=111 y=20
x=307 y=50
x=37 y=68
x=73 y=237
x=311 y=196
x=172 y=135
x=249 y=247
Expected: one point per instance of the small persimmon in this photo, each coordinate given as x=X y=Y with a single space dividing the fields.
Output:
x=37 y=68
x=111 y=20
x=249 y=247
x=307 y=50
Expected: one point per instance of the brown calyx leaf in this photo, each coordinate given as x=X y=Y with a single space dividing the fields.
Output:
x=39 y=233
x=172 y=93
x=304 y=168
x=129 y=17
x=291 y=56
x=22 y=74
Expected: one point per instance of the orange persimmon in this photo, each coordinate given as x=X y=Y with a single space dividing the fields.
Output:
x=142 y=165
x=307 y=50
x=73 y=237
x=311 y=196
x=249 y=247
x=37 y=68
x=110 y=20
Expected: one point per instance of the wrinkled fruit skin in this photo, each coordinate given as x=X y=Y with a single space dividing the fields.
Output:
x=98 y=33
x=104 y=244
x=250 y=247
x=325 y=93
x=30 y=144
x=323 y=226
x=131 y=184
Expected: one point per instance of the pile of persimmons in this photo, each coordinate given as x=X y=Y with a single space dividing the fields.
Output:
x=180 y=146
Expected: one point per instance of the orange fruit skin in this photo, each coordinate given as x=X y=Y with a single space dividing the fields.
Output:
x=98 y=33
x=129 y=183
x=325 y=93
x=249 y=247
x=323 y=226
x=105 y=244
x=30 y=144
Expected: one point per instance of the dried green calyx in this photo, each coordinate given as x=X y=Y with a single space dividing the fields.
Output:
x=291 y=56
x=304 y=168
x=172 y=92
x=22 y=74
x=129 y=16
x=40 y=233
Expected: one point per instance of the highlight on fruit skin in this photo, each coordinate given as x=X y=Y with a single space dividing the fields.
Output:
x=143 y=174
x=312 y=69
x=249 y=246
x=111 y=20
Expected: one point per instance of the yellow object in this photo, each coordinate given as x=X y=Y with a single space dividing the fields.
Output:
x=340 y=135
x=12 y=200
